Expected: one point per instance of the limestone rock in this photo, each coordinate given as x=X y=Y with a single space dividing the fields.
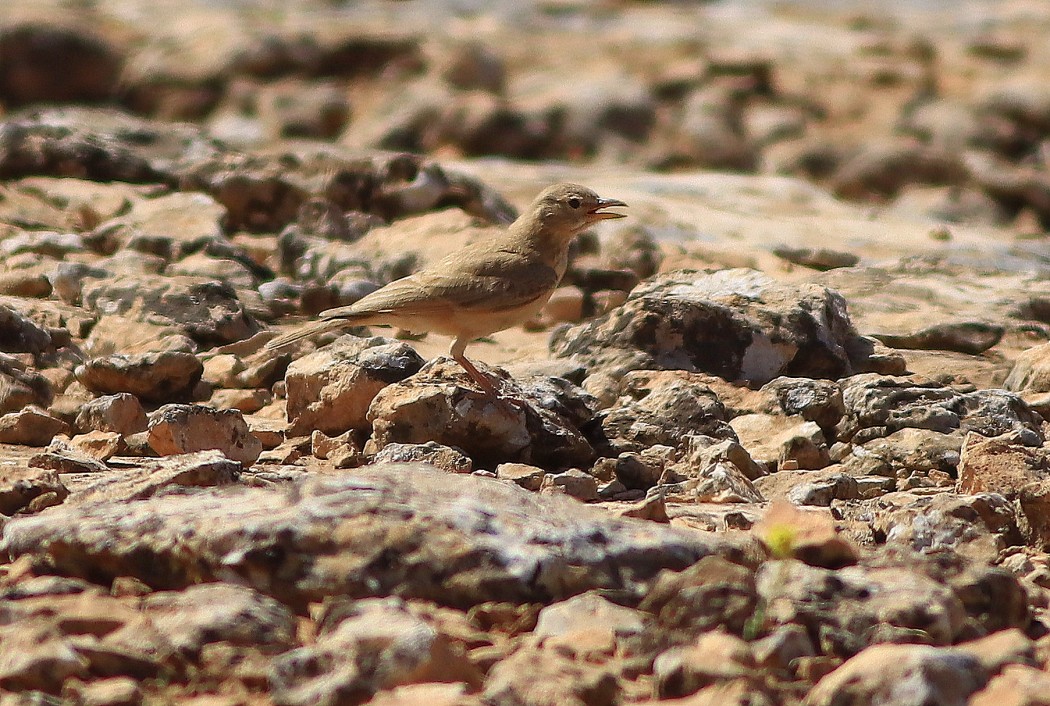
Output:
x=121 y=413
x=331 y=389
x=156 y=377
x=208 y=312
x=376 y=645
x=20 y=387
x=18 y=334
x=19 y=486
x=661 y=407
x=181 y=429
x=215 y=612
x=902 y=674
x=30 y=426
x=443 y=457
x=329 y=536
x=762 y=329
x=435 y=405
x=1031 y=371
x=885 y=404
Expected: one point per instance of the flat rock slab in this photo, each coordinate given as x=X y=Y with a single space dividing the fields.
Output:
x=405 y=530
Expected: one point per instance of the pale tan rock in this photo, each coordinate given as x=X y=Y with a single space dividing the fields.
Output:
x=100 y=445
x=441 y=404
x=331 y=390
x=157 y=377
x=1031 y=371
x=181 y=429
x=1002 y=649
x=444 y=457
x=377 y=644
x=1018 y=685
x=584 y=613
x=565 y=305
x=19 y=486
x=521 y=474
x=714 y=657
x=902 y=674
x=30 y=426
x=573 y=482
x=1000 y=465
x=121 y=413
x=244 y=401
x=777 y=440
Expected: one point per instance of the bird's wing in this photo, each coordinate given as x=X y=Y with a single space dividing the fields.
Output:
x=500 y=282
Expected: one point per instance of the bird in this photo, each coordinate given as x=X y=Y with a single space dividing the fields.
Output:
x=488 y=287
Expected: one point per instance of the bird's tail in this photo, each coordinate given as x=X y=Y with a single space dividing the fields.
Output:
x=309 y=331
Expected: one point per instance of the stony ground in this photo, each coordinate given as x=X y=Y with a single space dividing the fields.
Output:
x=784 y=438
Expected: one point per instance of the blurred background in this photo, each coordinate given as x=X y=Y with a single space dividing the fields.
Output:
x=931 y=108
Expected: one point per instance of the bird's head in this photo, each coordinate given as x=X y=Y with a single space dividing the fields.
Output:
x=570 y=208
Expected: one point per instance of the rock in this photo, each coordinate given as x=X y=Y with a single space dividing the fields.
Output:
x=32 y=662
x=20 y=335
x=328 y=536
x=1016 y=686
x=154 y=476
x=116 y=691
x=208 y=312
x=660 y=407
x=837 y=486
x=216 y=612
x=630 y=247
x=711 y=593
x=155 y=377
x=474 y=66
x=376 y=644
x=24 y=284
x=170 y=226
x=586 y=613
x=817 y=401
x=1000 y=465
x=181 y=429
x=1001 y=649
x=49 y=63
x=30 y=426
x=713 y=479
x=1031 y=371
x=433 y=405
x=713 y=658
x=881 y=170
x=710 y=133
x=763 y=329
x=902 y=674
x=20 y=486
x=61 y=456
x=331 y=389
x=20 y=387
x=444 y=457
x=573 y=482
x=343 y=450
x=818 y=259
x=874 y=604
x=531 y=676
x=121 y=413
x=980 y=525
x=100 y=445
x=887 y=404
x=785 y=442
x=973 y=337
x=521 y=474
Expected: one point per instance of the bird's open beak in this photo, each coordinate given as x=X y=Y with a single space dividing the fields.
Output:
x=599 y=215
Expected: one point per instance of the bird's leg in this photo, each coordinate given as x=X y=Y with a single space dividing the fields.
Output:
x=457 y=353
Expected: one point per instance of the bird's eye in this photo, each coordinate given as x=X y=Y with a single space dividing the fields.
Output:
x=574 y=202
